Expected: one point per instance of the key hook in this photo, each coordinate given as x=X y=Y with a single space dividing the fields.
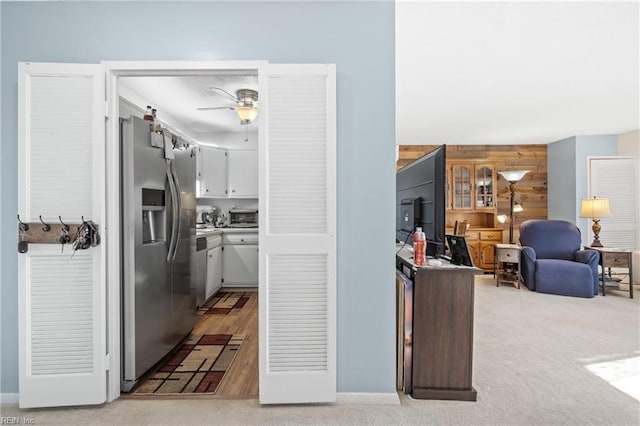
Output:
x=46 y=227
x=64 y=225
x=24 y=227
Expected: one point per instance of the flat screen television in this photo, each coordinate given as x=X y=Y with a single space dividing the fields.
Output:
x=420 y=199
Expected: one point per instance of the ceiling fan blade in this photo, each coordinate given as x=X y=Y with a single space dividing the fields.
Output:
x=212 y=108
x=233 y=98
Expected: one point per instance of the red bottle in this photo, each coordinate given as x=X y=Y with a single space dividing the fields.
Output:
x=419 y=247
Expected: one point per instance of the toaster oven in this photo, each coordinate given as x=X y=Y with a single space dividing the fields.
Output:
x=243 y=218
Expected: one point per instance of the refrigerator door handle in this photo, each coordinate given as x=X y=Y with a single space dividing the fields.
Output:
x=178 y=210
x=175 y=214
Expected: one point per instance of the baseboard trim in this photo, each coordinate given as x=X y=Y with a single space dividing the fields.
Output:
x=368 y=398
x=8 y=398
x=342 y=398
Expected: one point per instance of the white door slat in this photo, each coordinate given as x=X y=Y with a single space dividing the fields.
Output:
x=297 y=236
x=61 y=174
x=616 y=178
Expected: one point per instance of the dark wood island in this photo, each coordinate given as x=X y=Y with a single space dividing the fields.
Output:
x=437 y=359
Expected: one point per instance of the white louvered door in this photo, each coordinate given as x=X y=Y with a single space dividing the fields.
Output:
x=297 y=275
x=616 y=178
x=62 y=341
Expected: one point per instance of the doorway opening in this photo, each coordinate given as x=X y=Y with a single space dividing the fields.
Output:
x=195 y=107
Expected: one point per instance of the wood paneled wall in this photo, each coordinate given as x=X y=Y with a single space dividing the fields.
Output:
x=531 y=191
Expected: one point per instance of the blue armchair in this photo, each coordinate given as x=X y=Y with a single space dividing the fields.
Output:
x=552 y=261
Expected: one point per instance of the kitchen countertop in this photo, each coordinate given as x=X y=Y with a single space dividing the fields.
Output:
x=213 y=231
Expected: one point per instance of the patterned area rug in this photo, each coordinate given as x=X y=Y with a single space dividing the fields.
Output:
x=224 y=303
x=198 y=366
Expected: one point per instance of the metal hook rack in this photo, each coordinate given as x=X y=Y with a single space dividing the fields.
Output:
x=45 y=233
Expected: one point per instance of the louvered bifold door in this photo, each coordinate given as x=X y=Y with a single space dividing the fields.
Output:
x=297 y=295
x=616 y=178
x=61 y=174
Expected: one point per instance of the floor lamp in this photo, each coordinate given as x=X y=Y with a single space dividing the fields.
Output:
x=513 y=177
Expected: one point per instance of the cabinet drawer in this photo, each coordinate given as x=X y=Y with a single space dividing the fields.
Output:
x=619 y=260
x=472 y=235
x=251 y=238
x=214 y=241
x=508 y=255
x=491 y=235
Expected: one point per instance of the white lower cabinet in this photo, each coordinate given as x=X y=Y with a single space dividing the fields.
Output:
x=214 y=271
x=240 y=260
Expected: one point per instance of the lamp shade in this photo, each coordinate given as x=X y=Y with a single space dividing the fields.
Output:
x=513 y=176
x=502 y=218
x=595 y=208
x=517 y=208
x=247 y=113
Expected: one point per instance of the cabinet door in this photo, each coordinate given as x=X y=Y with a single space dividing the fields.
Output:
x=485 y=187
x=462 y=186
x=214 y=271
x=243 y=174
x=486 y=255
x=240 y=265
x=213 y=170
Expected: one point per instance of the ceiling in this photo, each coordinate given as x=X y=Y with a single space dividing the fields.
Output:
x=471 y=73
x=177 y=99
x=515 y=72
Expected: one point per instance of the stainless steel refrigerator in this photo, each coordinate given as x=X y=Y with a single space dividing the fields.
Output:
x=158 y=236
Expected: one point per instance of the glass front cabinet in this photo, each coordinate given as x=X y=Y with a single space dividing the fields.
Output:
x=472 y=187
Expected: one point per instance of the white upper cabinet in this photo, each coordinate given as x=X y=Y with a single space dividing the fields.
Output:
x=227 y=174
x=212 y=175
x=243 y=174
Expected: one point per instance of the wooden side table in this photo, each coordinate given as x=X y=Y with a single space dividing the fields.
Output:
x=506 y=265
x=615 y=258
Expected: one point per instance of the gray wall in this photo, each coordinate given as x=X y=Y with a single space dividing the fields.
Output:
x=561 y=179
x=357 y=36
x=567 y=175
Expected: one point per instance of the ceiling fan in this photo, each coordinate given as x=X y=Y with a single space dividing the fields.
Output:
x=246 y=104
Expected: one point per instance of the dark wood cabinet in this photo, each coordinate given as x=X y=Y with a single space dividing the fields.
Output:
x=441 y=330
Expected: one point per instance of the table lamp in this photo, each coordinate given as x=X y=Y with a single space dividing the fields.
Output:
x=595 y=209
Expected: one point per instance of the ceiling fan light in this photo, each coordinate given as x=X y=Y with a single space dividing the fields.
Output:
x=247 y=113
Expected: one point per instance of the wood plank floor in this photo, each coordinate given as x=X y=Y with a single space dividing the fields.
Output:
x=241 y=380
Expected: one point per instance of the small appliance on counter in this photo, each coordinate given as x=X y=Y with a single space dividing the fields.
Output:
x=243 y=218
x=206 y=216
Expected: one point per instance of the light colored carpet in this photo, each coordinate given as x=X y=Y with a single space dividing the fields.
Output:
x=531 y=353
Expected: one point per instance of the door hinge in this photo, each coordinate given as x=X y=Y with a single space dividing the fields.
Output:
x=106 y=109
x=107 y=362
